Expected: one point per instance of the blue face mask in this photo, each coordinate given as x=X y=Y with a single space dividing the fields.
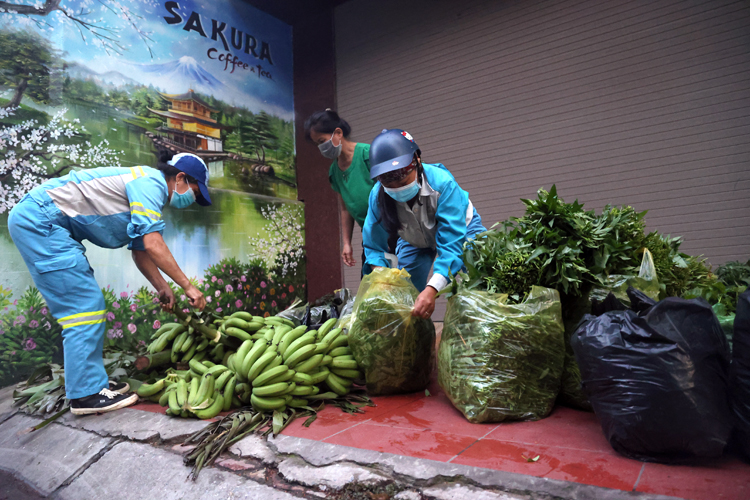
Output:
x=404 y=193
x=182 y=200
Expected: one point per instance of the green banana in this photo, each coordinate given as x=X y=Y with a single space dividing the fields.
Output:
x=207 y=389
x=336 y=386
x=271 y=390
x=164 y=329
x=187 y=343
x=269 y=374
x=302 y=390
x=260 y=364
x=229 y=393
x=146 y=390
x=266 y=404
x=190 y=353
x=290 y=337
x=203 y=344
x=284 y=377
x=223 y=379
x=242 y=352
x=259 y=347
x=164 y=399
x=340 y=351
x=302 y=379
x=332 y=335
x=178 y=341
x=340 y=341
x=310 y=364
x=306 y=339
x=216 y=370
x=197 y=367
x=346 y=364
x=344 y=373
x=298 y=403
x=326 y=360
x=320 y=376
x=195 y=383
x=290 y=389
x=300 y=355
x=239 y=333
x=213 y=409
x=173 y=402
x=326 y=327
x=181 y=391
x=200 y=356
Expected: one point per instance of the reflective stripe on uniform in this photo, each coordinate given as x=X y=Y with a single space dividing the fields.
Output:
x=86 y=318
x=137 y=208
x=137 y=172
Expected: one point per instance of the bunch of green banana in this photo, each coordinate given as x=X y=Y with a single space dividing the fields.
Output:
x=186 y=343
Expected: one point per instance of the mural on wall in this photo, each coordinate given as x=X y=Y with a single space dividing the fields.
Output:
x=87 y=83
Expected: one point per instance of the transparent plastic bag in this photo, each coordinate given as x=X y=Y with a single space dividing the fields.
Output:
x=617 y=284
x=498 y=361
x=394 y=349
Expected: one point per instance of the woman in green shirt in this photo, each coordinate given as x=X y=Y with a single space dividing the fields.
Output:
x=349 y=173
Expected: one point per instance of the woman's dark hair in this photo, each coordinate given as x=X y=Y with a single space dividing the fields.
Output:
x=325 y=122
x=169 y=170
x=388 y=210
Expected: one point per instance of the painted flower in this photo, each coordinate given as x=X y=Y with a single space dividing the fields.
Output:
x=263 y=297
x=20 y=320
x=2 y=332
x=141 y=343
x=131 y=328
x=157 y=324
x=117 y=325
x=272 y=291
x=238 y=304
x=29 y=344
x=44 y=311
x=229 y=288
x=217 y=294
x=267 y=314
x=209 y=299
x=273 y=303
x=283 y=295
x=155 y=300
x=219 y=309
x=243 y=279
x=186 y=310
x=47 y=326
x=33 y=323
x=213 y=279
x=123 y=295
x=116 y=305
x=220 y=282
x=291 y=288
x=183 y=297
x=133 y=307
x=262 y=284
x=110 y=316
x=262 y=306
x=12 y=353
x=257 y=290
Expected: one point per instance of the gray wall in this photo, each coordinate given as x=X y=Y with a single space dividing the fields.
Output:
x=642 y=102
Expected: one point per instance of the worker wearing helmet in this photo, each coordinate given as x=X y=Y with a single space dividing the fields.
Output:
x=111 y=207
x=424 y=205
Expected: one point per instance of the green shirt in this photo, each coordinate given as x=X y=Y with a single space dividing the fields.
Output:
x=354 y=183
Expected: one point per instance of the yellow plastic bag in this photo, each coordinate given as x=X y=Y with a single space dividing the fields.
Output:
x=393 y=348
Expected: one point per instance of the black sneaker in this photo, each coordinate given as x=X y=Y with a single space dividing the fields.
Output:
x=119 y=387
x=103 y=402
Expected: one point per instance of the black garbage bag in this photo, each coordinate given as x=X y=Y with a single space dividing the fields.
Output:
x=739 y=380
x=658 y=379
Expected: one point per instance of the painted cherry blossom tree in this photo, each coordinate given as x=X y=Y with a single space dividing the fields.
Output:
x=31 y=153
x=284 y=248
x=82 y=18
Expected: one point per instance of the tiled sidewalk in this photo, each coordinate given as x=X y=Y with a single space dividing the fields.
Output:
x=569 y=443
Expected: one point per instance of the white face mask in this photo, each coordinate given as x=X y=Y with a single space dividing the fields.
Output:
x=330 y=151
x=403 y=193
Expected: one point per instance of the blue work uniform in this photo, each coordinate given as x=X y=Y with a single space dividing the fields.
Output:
x=434 y=228
x=108 y=206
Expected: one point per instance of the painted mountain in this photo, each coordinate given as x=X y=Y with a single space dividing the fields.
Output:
x=107 y=79
x=185 y=71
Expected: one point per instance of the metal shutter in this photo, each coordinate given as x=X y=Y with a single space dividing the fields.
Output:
x=642 y=103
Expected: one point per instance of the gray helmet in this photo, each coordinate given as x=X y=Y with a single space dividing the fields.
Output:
x=391 y=150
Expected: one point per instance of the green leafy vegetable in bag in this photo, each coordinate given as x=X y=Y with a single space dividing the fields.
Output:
x=499 y=361
x=393 y=348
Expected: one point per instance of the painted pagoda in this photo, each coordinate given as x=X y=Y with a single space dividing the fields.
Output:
x=189 y=124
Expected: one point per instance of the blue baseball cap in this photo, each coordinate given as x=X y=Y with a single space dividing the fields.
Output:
x=193 y=166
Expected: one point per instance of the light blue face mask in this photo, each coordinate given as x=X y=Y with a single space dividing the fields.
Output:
x=182 y=200
x=404 y=193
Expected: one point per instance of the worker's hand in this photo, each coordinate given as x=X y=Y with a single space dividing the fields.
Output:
x=425 y=304
x=195 y=297
x=347 y=255
x=166 y=297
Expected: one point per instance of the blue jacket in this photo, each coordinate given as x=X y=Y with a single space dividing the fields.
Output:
x=439 y=222
x=108 y=206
